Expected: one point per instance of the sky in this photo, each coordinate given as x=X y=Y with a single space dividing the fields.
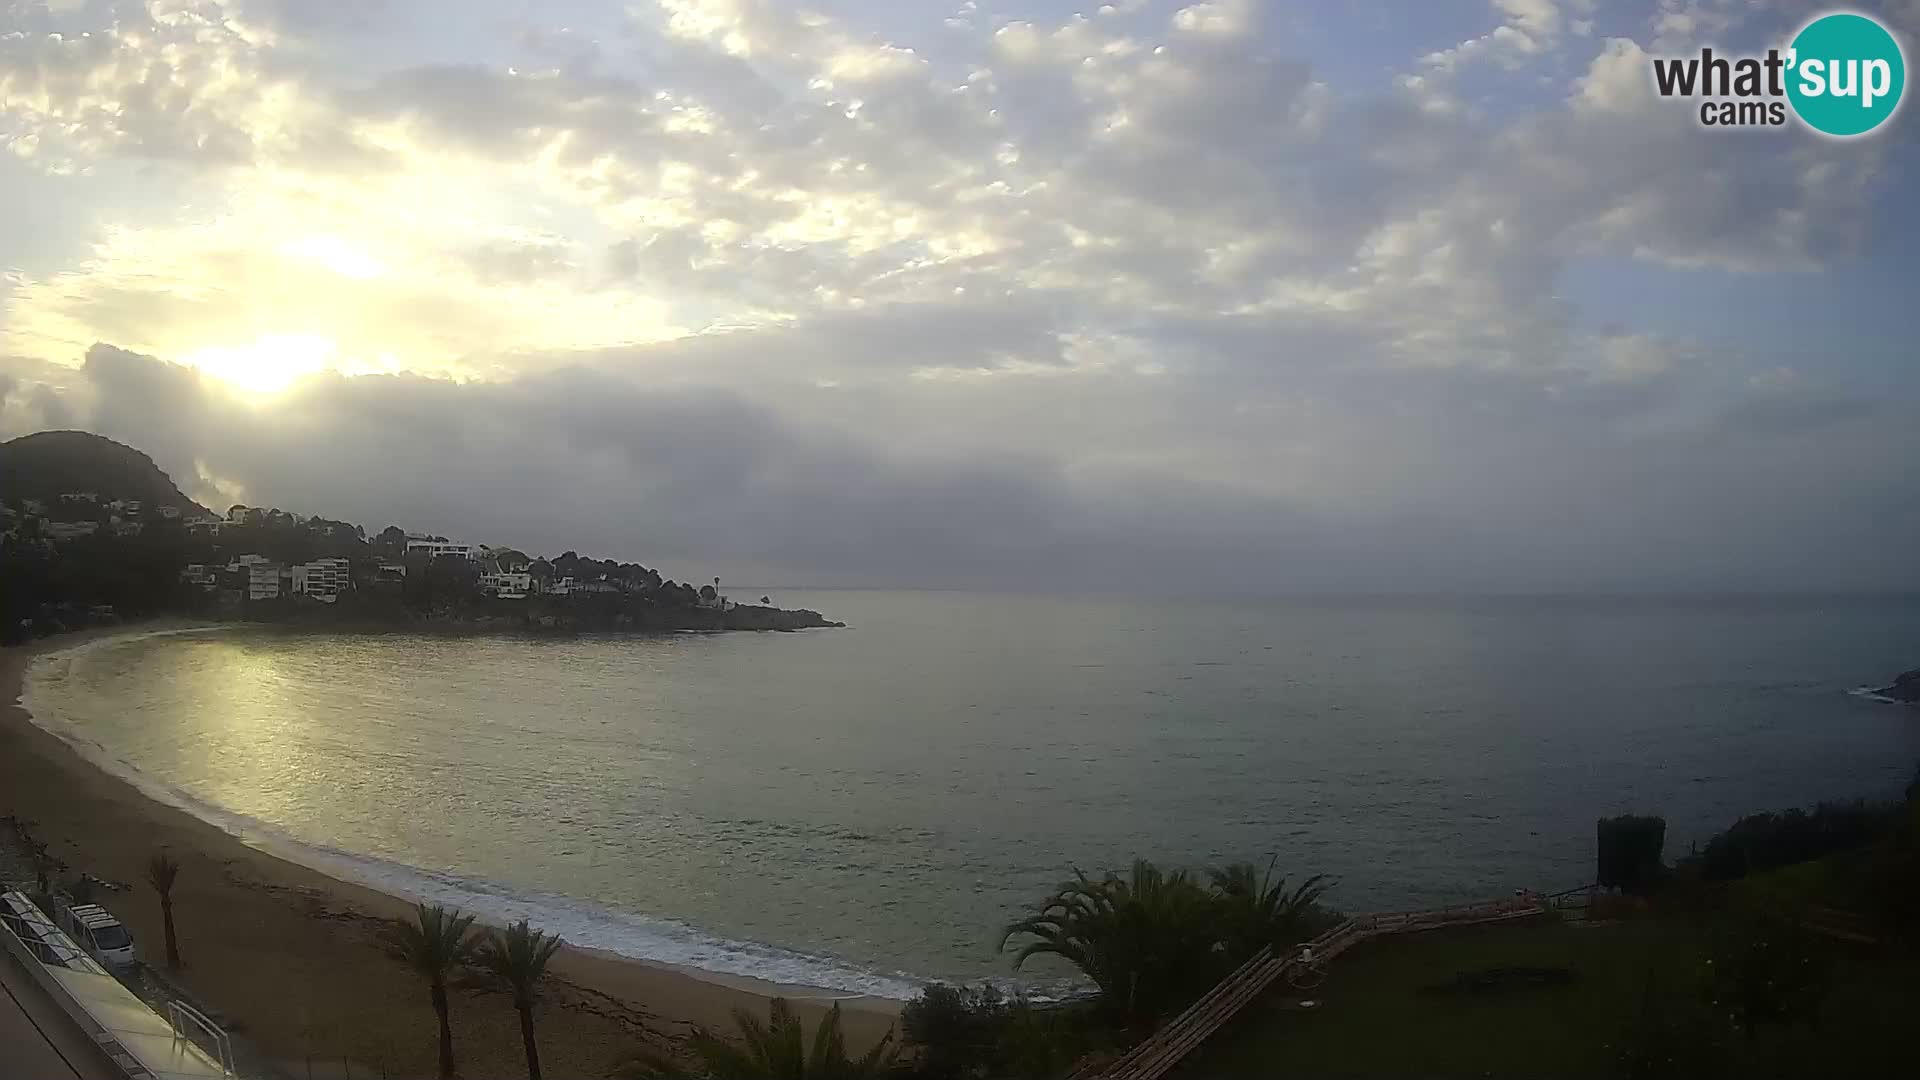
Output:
x=1218 y=296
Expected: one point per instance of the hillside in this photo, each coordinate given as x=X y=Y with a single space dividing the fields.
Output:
x=47 y=464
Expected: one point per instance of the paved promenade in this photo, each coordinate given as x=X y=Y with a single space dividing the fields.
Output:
x=37 y=1039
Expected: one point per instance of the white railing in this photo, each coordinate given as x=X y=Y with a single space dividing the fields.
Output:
x=182 y=1015
x=35 y=942
x=42 y=950
x=38 y=934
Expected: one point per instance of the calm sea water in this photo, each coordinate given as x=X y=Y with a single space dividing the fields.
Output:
x=861 y=808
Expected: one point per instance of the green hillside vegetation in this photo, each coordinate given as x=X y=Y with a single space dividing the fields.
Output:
x=56 y=576
x=49 y=464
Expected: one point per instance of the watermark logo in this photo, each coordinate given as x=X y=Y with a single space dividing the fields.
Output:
x=1842 y=75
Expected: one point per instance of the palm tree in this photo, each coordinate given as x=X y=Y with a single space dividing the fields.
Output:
x=1258 y=911
x=517 y=962
x=44 y=864
x=161 y=873
x=1148 y=941
x=775 y=1050
x=435 y=944
x=1155 y=940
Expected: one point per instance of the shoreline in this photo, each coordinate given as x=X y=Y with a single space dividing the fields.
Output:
x=286 y=951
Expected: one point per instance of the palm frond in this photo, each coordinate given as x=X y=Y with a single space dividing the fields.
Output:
x=434 y=943
x=776 y=1049
x=1154 y=938
x=515 y=960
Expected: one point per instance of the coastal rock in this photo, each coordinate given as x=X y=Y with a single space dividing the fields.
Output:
x=1906 y=687
x=750 y=617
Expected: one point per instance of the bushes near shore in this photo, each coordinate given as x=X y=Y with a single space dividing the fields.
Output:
x=1150 y=942
x=1767 y=841
x=1155 y=940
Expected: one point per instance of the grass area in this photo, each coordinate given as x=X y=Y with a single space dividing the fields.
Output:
x=1381 y=1014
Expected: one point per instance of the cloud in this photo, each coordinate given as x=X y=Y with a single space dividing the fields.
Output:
x=971 y=301
x=1543 y=484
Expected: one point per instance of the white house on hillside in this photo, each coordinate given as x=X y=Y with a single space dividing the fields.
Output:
x=436 y=548
x=508 y=585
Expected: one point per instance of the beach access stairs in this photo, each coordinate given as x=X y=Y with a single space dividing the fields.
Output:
x=1166 y=1048
x=135 y=1041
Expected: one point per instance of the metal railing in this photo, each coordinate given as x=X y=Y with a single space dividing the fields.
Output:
x=32 y=939
x=39 y=935
x=40 y=948
x=183 y=1016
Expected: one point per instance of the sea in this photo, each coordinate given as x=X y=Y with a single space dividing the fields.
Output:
x=863 y=810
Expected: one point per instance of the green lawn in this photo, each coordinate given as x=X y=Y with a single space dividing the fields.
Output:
x=1375 y=1020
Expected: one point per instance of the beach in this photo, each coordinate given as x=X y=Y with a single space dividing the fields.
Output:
x=290 y=956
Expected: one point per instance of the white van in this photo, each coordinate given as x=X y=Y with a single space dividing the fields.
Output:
x=94 y=929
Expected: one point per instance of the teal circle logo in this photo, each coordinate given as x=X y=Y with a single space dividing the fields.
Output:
x=1845 y=74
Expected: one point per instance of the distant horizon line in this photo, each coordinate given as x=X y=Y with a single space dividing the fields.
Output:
x=1356 y=594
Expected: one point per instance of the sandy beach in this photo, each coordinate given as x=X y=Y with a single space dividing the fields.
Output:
x=289 y=956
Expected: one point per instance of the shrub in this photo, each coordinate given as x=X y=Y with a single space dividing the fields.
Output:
x=1155 y=940
x=777 y=1049
x=977 y=1034
x=954 y=1029
x=1766 y=841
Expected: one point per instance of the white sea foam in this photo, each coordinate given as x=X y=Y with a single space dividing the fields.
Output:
x=1872 y=694
x=663 y=941
x=582 y=923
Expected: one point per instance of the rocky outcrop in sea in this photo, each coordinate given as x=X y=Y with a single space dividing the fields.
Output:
x=1905 y=688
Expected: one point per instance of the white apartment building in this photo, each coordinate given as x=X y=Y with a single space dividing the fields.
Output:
x=436 y=548
x=263 y=578
x=322 y=579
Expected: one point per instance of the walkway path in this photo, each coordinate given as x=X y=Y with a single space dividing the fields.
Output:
x=37 y=1039
x=1165 y=1048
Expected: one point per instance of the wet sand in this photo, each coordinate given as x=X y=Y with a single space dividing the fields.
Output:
x=289 y=956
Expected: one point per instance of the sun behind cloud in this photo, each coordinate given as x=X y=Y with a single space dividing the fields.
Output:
x=268 y=365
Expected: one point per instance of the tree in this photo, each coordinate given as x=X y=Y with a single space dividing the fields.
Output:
x=162 y=871
x=954 y=1029
x=516 y=960
x=1155 y=940
x=1147 y=941
x=435 y=945
x=1259 y=911
x=775 y=1050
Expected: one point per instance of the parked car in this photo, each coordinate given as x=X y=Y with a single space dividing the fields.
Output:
x=94 y=929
